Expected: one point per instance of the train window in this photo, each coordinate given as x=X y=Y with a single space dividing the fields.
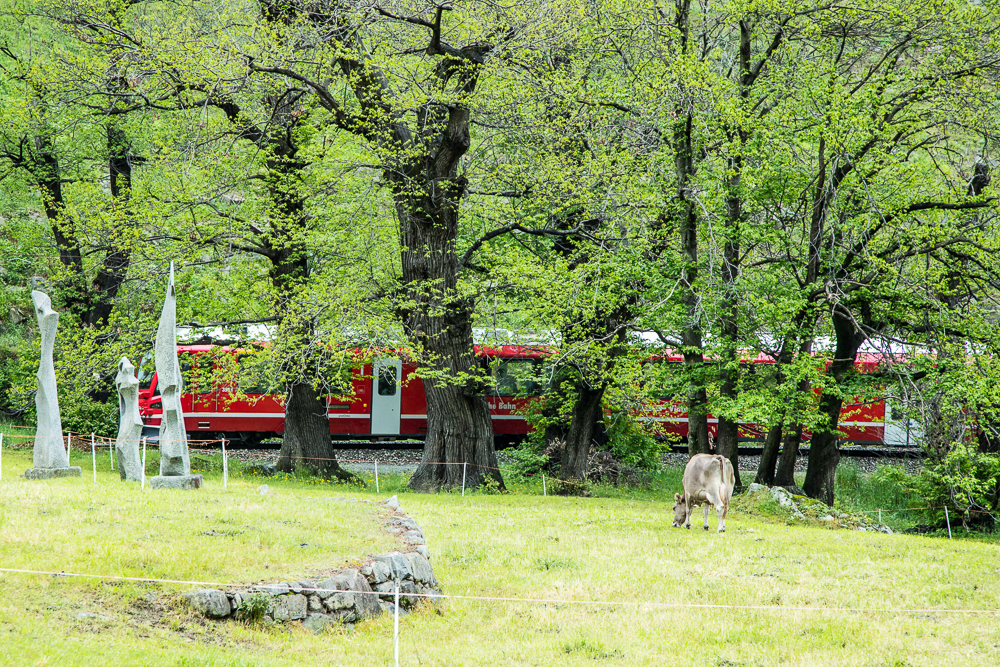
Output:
x=387 y=381
x=146 y=371
x=250 y=380
x=196 y=370
x=519 y=377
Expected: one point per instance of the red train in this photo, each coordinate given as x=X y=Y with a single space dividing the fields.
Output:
x=388 y=403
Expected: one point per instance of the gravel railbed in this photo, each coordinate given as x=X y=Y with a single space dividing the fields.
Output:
x=409 y=458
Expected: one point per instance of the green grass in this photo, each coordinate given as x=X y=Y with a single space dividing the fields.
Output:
x=616 y=546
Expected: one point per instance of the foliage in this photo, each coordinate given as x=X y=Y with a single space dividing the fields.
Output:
x=252 y=608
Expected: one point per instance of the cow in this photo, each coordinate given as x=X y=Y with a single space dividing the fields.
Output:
x=708 y=480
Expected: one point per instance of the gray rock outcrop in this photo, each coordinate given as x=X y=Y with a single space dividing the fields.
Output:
x=49 y=458
x=129 y=423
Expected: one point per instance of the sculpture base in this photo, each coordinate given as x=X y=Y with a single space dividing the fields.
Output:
x=177 y=482
x=49 y=473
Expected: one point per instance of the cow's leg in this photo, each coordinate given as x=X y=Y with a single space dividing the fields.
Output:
x=706 y=507
x=688 y=510
x=721 y=510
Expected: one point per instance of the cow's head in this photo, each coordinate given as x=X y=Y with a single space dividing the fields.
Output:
x=680 y=511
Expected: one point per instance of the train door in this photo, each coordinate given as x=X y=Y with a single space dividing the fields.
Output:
x=900 y=428
x=386 y=374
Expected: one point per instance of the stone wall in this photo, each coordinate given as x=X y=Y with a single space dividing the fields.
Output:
x=366 y=592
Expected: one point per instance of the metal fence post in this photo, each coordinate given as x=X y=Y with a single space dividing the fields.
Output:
x=376 y=477
x=395 y=585
x=544 y=492
x=142 y=483
x=947 y=522
x=93 y=456
x=464 y=467
x=225 y=467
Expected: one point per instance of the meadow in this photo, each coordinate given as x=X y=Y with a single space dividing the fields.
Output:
x=609 y=581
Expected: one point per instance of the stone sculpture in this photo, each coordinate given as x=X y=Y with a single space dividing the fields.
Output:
x=129 y=424
x=50 y=457
x=175 y=467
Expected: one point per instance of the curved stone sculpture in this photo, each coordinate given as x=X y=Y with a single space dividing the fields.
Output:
x=175 y=467
x=49 y=458
x=129 y=424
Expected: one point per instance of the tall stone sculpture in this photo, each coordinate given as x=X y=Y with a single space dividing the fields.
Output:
x=175 y=467
x=129 y=423
x=50 y=457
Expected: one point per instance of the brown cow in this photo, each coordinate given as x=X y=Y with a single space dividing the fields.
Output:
x=708 y=480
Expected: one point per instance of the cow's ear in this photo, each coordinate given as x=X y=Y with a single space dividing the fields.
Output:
x=677 y=497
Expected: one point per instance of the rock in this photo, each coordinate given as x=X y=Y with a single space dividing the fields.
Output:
x=49 y=450
x=393 y=503
x=184 y=482
x=209 y=602
x=50 y=473
x=784 y=498
x=756 y=488
x=129 y=423
x=390 y=608
x=406 y=588
x=315 y=604
x=274 y=589
x=290 y=607
x=263 y=489
x=326 y=588
x=424 y=551
x=420 y=568
x=89 y=615
x=261 y=470
x=380 y=571
x=826 y=517
x=174 y=460
x=398 y=565
x=413 y=537
x=316 y=623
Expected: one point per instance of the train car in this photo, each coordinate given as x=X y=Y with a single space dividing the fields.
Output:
x=865 y=423
x=387 y=403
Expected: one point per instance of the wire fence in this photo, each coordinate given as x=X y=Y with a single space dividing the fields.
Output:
x=84 y=441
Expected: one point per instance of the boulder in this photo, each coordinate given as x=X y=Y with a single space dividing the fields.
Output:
x=290 y=607
x=756 y=488
x=316 y=623
x=399 y=567
x=393 y=504
x=209 y=602
x=420 y=568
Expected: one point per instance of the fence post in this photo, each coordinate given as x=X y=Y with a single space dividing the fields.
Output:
x=464 y=467
x=93 y=456
x=142 y=483
x=544 y=492
x=395 y=623
x=111 y=453
x=69 y=446
x=947 y=522
x=225 y=467
x=880 y=517
x=376 y=477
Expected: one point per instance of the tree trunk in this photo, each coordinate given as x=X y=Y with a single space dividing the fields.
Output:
x=824 y=450
x=769 y=457
x=824 y=453
x=438 y=320
x=306 y=443
x=586 y=414
x=789 y=456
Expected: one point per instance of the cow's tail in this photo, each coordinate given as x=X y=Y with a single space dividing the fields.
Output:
x=723 y=478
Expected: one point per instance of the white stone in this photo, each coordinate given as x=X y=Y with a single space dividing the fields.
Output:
x=129 y=423
x=263 y=489
x=393 y=503
x=50 y=447
x=173 y=438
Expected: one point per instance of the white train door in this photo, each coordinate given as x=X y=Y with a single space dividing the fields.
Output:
x=386 y=374
x=900 y=429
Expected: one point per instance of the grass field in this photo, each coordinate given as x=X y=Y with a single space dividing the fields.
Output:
x=617 y=548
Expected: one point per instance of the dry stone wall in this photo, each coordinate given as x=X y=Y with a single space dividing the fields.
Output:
x=347 y=596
